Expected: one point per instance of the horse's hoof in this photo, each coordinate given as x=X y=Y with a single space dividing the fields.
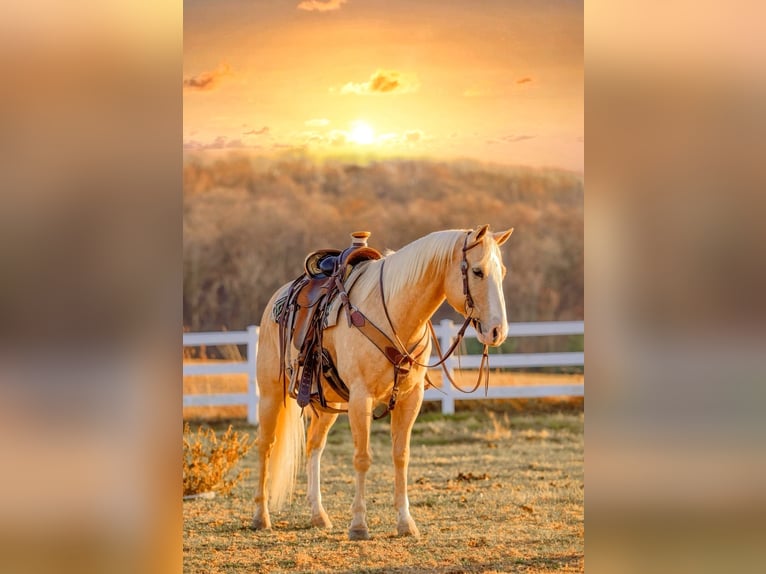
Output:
x=358 y=534
x=321 y=521
x=408 y=529
x=260 y=524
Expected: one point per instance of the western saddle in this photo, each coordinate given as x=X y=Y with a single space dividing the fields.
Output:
x=302 y=315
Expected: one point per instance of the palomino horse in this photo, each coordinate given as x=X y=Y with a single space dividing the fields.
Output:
x=463 y=266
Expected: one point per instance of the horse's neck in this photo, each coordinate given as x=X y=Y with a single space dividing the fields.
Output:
x=411 y=309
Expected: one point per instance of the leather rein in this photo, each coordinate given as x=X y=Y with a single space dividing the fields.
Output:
x=396 y=351
x=469 y=308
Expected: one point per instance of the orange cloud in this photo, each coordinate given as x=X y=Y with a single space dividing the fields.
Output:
x=263 y=131
x=510 y=138
x=524 y=80
x=516 y=138
x=412 y=136
x=220 y=142
x=321 y=5
x=206 y=80
x=383 y=82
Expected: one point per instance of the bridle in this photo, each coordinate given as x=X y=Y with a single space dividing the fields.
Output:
x=469 y=307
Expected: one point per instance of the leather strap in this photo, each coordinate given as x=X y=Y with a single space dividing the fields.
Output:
x=464 y=272
x=460 y=333
x=394 y=350
x=483 y=366
x=469 y=306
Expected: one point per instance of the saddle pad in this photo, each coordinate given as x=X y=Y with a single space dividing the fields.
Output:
x=279 y=304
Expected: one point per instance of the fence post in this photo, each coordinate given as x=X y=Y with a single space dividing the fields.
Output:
x=448 y=332
x=252 y=387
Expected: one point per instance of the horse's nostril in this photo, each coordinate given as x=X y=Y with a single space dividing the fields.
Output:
x=495 y=334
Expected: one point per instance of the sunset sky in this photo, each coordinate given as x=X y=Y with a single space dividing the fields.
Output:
x=492 y=80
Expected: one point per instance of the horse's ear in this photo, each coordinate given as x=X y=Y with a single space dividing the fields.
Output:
x=480 y=232
x=502 y=236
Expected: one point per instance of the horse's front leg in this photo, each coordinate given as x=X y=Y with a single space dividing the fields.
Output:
x=360 y=417
x=402 y=419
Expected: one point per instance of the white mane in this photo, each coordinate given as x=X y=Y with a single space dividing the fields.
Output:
x=407 y=266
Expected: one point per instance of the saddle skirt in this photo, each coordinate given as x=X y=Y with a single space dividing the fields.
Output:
x=304 y=309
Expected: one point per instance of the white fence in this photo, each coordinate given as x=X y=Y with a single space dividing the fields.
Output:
x=445 y=331
x=250 y=398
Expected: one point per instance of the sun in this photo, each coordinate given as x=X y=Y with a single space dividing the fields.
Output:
x=361 y=133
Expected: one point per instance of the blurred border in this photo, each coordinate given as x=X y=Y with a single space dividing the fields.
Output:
x=675 y=281
x=90 y=295
x=90 y=244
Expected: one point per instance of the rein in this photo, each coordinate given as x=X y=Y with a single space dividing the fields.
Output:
x=469 y=307
x=396 y=351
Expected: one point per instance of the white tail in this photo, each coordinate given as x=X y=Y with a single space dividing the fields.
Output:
x=287 y=455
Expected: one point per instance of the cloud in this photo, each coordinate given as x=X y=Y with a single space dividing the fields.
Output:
x=383 y=82
x=408 y=138
x=510 y=138
x=317 y=123
x=221 y=142
x=332 y=138
x=412 y=136
x=342 y=138
x=206 y=81
x=524 y=80
x=516 y=138
x=263 y=131
x=321 y=5
x=312 y=138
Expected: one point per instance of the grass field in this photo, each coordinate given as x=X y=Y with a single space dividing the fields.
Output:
x=497 y=490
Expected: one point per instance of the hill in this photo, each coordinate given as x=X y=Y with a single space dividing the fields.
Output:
x=249 y=223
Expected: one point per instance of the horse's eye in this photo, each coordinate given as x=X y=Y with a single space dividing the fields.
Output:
x=478 y=273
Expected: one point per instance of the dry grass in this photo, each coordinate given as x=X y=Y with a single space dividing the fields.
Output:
x=209 y=461
x=499 y=492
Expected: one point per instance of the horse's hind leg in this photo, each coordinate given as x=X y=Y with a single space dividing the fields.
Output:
x=269 y=408
x=402 y=420
x=317 y=438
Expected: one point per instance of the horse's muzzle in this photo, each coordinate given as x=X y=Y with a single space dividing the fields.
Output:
x=493 y=337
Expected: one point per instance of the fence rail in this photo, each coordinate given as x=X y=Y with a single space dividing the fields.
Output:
x=446 y=331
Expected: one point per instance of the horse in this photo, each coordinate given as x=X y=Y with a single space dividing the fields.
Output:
x=398 y=293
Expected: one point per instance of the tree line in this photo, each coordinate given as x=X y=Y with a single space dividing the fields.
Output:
x=249 y=223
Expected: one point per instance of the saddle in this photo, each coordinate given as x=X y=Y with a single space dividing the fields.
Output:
x=302 y=319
